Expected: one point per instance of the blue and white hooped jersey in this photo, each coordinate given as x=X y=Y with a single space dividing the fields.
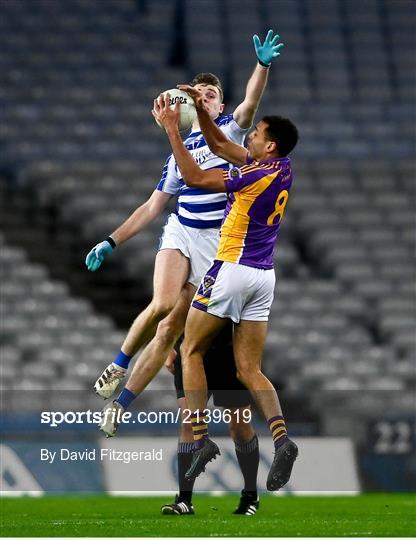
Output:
x=200 y=208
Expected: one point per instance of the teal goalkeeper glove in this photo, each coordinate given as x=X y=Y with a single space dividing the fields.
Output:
x=269 y=50
x=98 y=253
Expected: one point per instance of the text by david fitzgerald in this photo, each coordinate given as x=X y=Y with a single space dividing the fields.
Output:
x=104 y=454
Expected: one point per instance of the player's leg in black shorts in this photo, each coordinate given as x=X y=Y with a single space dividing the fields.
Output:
x=228 y=392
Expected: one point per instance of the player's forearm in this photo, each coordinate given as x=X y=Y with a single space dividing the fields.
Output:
x=256 y=86
x=218 y=142
x=214 y=137
x=140 y=218
x=191 y=173
x=246 y=111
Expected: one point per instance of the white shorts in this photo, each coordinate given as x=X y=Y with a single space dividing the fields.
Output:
x=236 y=292
x=198 y=245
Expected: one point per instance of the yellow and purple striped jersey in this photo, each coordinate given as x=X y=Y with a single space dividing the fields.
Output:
x=257 y=196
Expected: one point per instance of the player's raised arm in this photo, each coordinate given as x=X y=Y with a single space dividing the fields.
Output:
x=216 y=140
x=194 y=176
x=268 y=50
x=137 y=221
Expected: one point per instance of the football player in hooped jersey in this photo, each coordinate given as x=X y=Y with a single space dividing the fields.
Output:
x=240 y=283
x=187 y=249
x=190 y=237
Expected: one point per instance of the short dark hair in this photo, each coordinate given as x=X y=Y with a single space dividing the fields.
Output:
x=208 y=78
x=283 y=132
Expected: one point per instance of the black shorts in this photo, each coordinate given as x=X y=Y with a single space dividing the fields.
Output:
x=221 y=373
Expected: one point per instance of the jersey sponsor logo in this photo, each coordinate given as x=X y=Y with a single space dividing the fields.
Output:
x=200 y=156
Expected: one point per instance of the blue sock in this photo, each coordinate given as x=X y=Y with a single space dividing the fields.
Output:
x=125 y=398
x=122 y=360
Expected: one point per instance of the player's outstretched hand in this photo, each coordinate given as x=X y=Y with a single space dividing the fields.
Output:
x=163 y=113
x=96 y=256
x=269 y=49
x=195 y=94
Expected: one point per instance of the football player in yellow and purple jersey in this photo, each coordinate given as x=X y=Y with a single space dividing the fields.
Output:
x=240 y=283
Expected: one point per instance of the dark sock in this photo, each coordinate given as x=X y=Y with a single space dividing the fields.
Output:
x=199 y=428
x=277 y=428
x=125 y=398
x=184 y=462
x=248 y=459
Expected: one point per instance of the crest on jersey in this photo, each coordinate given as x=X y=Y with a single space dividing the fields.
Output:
x=234 y=173
x=207 y=283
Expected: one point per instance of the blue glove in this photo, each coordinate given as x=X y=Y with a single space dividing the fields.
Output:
x=269 y=50
x=96 y=256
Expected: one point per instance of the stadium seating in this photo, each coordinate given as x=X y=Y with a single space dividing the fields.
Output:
x=50 y=339
x=79 y=143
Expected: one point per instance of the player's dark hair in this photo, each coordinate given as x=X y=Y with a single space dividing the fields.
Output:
x=283 y=132
x=208 y=78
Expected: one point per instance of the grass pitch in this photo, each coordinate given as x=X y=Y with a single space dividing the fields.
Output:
x=364 y=515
